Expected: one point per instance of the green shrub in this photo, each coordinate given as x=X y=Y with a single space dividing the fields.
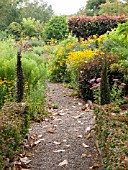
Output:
x=35 y=74
x=117 y=41
x=56 y=28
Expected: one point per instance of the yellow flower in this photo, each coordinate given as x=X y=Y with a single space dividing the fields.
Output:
x=61 y=64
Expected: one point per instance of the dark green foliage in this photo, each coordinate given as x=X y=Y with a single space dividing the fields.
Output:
x=86 y=26
x=56 y=28
x=91 y=69
x=104 y=86
x=20 y=79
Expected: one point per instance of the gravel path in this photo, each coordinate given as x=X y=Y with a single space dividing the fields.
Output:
x=63 y=135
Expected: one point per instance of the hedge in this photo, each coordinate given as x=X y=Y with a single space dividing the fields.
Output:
x=85 y=26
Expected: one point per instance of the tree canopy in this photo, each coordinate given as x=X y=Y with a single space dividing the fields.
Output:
x=16 y=10
x=100 y=7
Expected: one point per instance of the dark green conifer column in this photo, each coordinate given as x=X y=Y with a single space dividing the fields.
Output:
x=19 y=79
x=104 y=87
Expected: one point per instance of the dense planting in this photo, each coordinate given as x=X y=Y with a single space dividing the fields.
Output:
x=14 y=124
x=96 y=65
x=111 y=128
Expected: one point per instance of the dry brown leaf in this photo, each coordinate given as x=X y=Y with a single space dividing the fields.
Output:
x=61 y=114
x=39 y=136
x=88 y=136
x=58 y=151
x=79 y=136
x=86 y=155
x=97 y=165
x=85 y=146
x=56 y=143
x=65 y=162
x=36 y=142
x=50 y=131
x=65 y=140
x=64 y=93
x=88 y=129
x=25 y=160
x=88 y=110
x=29 y=154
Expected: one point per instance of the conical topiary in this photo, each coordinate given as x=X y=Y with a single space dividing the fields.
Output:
x=104 y=86
x=20 y=79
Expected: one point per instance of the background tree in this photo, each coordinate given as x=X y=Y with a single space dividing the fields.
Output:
x=9 y=12
x=92 y=7
x=114 y=8
x=39 y=9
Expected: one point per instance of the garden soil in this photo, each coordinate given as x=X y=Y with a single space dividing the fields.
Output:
x=64 y=140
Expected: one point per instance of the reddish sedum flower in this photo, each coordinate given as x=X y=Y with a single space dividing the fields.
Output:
x=92 y=80
x=125 y=98
x=115 y=79
x=98 y=80
x=123 y=84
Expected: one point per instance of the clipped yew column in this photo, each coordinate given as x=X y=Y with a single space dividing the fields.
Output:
x=19 y=79
x=104 y=87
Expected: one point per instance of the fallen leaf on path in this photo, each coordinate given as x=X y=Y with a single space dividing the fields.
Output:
x=86 y=155
x=54 y=126
x=95 y=166
x=54 y=114
x=36 y=142
x=76 y=117
x=64 y=140
x=61 y=114
x=29 y=154
x=85 y=146
x=64 y=93
x=88 y=110
x=65 y=162
x=79 y=136
x=58 y=151
x=56 y=143
x=45 y=126
x=25 y=160
x=39 y=136
x=50 y=131
x=57 y=119
x=42 y=139
x=88 y=129
x=88 y=136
